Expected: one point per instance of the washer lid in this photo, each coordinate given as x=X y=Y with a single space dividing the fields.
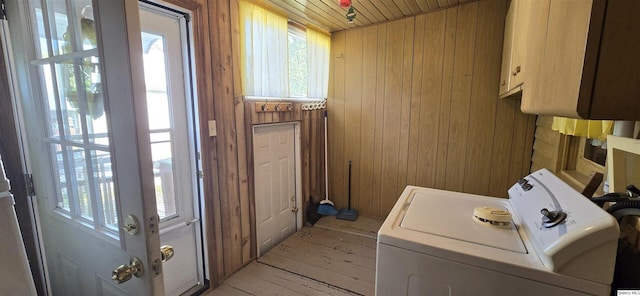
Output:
x=450 y=214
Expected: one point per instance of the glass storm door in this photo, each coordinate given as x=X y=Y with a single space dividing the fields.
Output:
x=169 y=106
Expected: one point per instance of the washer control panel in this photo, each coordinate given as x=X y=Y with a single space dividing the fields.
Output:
x=557 y=218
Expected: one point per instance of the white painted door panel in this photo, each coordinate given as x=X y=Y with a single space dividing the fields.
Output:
x=83 y=96
x=274 y=158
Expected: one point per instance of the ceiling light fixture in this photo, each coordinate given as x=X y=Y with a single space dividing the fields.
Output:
x=345 y=3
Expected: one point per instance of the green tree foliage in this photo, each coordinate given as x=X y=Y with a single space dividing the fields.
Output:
x=297 y=66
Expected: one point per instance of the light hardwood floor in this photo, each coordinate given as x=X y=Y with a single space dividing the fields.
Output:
x=334 y=257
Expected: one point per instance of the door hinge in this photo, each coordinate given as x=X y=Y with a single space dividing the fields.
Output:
x=31 y=190
x=3 y=10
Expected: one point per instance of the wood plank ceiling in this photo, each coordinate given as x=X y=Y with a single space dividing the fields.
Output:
x=328 y=15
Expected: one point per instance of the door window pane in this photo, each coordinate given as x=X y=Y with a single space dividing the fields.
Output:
x=49 y=93
x=60 y=172
x=105 y=188
x=80 y=181
x=40 y=34
x=71 y=100
x=163 y=179
x=58 y=25
x=160 y=124
x=94 y=97
x=74 y=113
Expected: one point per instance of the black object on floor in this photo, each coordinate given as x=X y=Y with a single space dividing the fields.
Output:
x=312 y=212
x=348 y=213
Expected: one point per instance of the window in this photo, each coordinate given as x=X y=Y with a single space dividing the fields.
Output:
x=580 y=160
x=75 y=128
x=297 y=62
x=594 y=151
x=279 y=59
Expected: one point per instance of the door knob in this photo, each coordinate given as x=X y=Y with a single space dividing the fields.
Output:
x=166 y=252
x=124 y=272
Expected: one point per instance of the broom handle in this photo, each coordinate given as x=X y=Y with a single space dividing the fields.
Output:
x=326 y=161
x=349 y=184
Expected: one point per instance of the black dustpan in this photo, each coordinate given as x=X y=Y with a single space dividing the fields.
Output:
x=348 y=213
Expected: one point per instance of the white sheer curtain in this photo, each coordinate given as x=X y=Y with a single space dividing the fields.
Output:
x=318 y=46
x=263 y=51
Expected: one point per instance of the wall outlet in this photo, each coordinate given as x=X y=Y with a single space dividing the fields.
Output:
x=212 y=128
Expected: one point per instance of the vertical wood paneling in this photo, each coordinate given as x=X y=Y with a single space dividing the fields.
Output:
x=433 y=57
x=517 y=150
x=226 y=140
x=392 y=108
x=353 y=107
x=244 y=142
x=502 y=143
x=445 y=98
x=204 y=61
x=430 y=116
x=379 y=123
x=368 y=113
x=405 y=115
x=483 y=100
x=461 y=95
x=416 y=100
x=336 y=115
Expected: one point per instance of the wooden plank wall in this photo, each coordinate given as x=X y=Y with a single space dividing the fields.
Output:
x=227 y=159
x=546 y=146
x=415 y=101
x=228 y=226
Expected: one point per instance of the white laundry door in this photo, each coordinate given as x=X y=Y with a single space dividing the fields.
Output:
x=85 y=119
x=275 y=179
x=165 y=47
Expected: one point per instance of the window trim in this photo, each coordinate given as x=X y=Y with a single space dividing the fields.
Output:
x=575 y=169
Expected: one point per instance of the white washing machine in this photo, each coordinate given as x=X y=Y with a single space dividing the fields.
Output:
x=546 y=239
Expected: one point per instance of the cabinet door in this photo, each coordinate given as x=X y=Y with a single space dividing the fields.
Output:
x=518 y=67
x=563 y=59
x=507 y=48
x=536 y=33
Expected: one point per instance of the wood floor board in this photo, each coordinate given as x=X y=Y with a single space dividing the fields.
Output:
x=260 y=279
x=363 y=226
x=342 y=264
x=334 y=257
x=311 y=270
x=320 y=238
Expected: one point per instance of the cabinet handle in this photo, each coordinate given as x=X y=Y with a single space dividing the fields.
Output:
x=504 y=82
x=516 y=71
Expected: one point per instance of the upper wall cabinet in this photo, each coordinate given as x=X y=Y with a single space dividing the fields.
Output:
x=514 y=48
x=590 y=63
